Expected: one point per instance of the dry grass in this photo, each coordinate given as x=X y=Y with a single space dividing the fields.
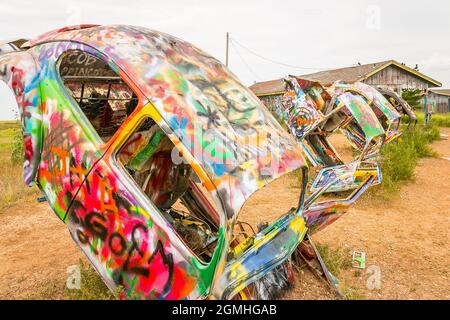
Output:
x=92 y=287
x=13 y=190
x=437 y=119
x=336 y=259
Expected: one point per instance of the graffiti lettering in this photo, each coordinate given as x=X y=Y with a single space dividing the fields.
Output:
x=95 y=223
x=117 y=244
x=138 y=246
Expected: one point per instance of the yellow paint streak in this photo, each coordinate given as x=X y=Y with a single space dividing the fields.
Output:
x=152 y=112
x=298 y=225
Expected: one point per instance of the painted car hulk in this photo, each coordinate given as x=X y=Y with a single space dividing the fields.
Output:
x=147 y=148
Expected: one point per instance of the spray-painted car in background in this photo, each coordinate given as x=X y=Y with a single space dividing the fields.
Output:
x=313 y=113
x=399 y=104
x=366 y=117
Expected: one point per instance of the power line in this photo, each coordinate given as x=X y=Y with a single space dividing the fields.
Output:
x=232 y=40
x=245 y=63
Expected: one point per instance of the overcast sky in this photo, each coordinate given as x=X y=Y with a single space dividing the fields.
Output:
x=307 y=34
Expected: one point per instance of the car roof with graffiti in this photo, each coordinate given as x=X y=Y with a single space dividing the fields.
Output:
x=228 y=130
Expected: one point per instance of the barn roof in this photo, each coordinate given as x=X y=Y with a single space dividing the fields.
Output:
x=270 y=87
x=444 y=92
x=348 y=74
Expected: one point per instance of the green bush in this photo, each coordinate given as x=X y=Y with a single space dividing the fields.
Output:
x=399 y=158
x=419 y=140
x=412 y=96
x=398 y=161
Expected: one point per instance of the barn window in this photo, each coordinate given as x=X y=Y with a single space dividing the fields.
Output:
x=105 y=99
x=172 y=187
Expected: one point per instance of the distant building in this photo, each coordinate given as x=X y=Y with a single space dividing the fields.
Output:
x=386 y=74
x=439 y=99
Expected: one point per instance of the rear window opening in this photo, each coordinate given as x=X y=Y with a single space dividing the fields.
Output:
x=173 y=187
x=104 y=98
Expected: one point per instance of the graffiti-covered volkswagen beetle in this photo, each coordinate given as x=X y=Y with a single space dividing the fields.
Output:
x=147 y=149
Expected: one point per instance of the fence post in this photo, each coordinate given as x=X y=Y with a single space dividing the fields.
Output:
x=425 y=109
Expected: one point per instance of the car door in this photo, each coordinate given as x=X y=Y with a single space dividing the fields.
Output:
x=70 y=146
x=125 y=237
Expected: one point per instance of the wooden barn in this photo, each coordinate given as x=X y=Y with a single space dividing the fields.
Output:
x=439 y=99
x=388 y=74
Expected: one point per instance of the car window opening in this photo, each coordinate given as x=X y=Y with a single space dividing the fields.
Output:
x=172 y=187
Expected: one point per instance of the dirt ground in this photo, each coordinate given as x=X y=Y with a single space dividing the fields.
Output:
x=406 y=241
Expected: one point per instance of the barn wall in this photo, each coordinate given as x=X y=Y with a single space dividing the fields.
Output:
x=440 y=103
x=271 y=101
x=396 y=79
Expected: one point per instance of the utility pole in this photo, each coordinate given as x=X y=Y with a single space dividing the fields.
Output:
x=425 y=108
x=226 y=49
